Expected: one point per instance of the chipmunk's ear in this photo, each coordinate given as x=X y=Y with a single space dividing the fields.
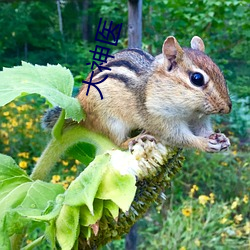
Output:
x=197 y=43
x=172 y=50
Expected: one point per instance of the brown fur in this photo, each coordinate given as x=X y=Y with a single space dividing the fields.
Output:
x=156 y=95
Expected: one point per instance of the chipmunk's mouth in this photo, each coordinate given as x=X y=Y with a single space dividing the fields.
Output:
x=224 y=108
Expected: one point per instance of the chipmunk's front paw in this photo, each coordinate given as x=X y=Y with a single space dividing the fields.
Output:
x=217 y=142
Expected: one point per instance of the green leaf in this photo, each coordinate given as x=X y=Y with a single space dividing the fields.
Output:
x=53 y=82
x=9 y=168
x=58 y=127
x=20 y=197
x=118 y=188
x=83 y=189
x=4 y=240
x=39 y=194
x=83 y=152
x=50 y=234
x=67 y=226
x=112 y=208
x=86 y=231
x=46 y=216
x=6 y=186
x=14 y=223
x=86 y=218
x=14 y=198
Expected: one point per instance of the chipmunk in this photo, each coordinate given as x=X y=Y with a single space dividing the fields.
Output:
x=170 y=96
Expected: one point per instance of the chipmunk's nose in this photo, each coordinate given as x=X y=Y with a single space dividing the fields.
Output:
x=227 y=108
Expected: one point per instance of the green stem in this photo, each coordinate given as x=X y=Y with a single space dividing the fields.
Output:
x=16 y=240
x=57 y=147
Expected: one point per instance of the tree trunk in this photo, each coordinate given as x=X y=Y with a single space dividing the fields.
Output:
x=134 y=23
x=59 y=16
x=131 y=238
x=85 y=27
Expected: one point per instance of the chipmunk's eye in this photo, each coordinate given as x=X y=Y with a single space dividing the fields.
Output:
x=197 y=79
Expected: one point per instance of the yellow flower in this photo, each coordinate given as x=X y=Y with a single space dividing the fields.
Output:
x=65 y=163
x=6 y=149
x=35 y=159
x=73 y=168
x=235 y=203
x=182 y=248
x=23 y=164
x=238 y=218
x=55 y=178
x=223 y=235
x=234 y=152
x=23 y=107
x=247 y=227
x=65 y=185
x=12 y=105
x=193 y=190
x=24 y=154
x=245 y=199
x=4 y=134
x=211 y=195
x=29 y=124
x=203 y=199
x=187 y=211
x=14 y=123
x=77 y=162
x=197 y=242
x=238 y=233
x=70 y=178
x=6 y=113
x=223 y=220
x=6 y=141
x=224 y=164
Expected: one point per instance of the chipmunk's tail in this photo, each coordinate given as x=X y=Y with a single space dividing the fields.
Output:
x=50 y=117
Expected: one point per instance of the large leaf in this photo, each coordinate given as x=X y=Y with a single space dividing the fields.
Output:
x=53 y=82
x=86 y=218
x=6 y=186
x=118 y=188
x=9 y=168
x=21 y=197
x=67 y=226
x=83 y=152
x=83 y=189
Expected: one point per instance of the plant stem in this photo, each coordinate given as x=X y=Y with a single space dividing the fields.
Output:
x=57 y=147
x=16 y=240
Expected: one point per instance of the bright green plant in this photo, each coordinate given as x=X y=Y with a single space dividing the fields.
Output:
x=199 y=223
x=103 y=202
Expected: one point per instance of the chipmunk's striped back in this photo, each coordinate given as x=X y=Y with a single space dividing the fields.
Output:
x=136 y=61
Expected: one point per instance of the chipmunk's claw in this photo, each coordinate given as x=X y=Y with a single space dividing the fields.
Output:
x=141 y=139
x=218 y=142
